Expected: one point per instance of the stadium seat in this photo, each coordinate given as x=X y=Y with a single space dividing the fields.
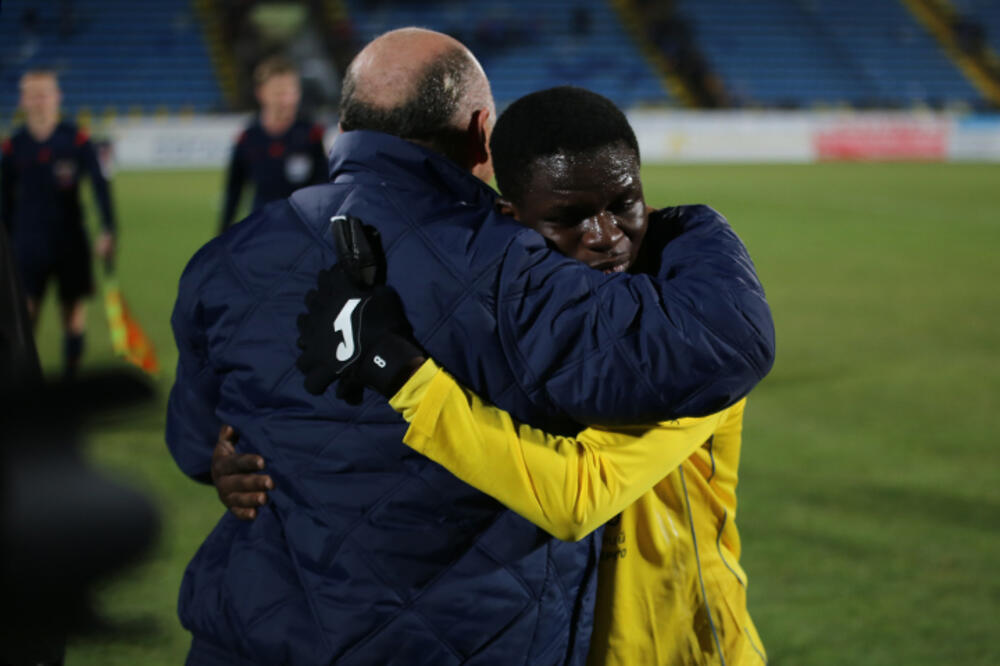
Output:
x=111 y=54
x=527 y=45
x=824 y=52
x=987 y=14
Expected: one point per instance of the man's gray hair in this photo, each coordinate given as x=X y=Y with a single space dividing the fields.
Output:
x=430 y=116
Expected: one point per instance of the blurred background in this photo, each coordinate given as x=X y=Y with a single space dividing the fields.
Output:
x=854 y=145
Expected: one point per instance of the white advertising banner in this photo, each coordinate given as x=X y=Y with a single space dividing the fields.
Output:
x=802 y=136
x=723 y=136
x=664 y=137
x=976 y=138
x=200 y=142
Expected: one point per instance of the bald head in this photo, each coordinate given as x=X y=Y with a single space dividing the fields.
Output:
x=419 y=85
x=387 y=71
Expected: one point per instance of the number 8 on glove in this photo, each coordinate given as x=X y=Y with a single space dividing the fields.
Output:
x=355 y=330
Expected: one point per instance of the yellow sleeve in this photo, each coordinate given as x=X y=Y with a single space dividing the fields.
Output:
x=568 y=486
x=728 y=440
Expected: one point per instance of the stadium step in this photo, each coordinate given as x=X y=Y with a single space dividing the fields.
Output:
x=674 y=84
x=936 y=16
x=338 y=32
x=219 y=53
x=527 y=45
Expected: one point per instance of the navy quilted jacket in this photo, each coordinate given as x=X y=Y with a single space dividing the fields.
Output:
x=368 y=553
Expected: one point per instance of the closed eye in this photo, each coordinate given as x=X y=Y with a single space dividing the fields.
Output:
x=623 y=203
x=567 y=217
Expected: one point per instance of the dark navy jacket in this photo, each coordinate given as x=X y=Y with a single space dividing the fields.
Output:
x=40 y=197
x=275 y=165
x=369 y=553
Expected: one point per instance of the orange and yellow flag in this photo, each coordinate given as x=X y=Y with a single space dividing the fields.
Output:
x=127 y=337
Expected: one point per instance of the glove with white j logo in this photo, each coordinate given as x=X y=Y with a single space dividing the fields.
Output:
x=355 y=329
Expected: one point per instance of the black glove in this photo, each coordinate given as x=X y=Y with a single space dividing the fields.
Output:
x=355 y=329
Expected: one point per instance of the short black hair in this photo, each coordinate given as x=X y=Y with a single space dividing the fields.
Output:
x=428 y=116
x=565 y=119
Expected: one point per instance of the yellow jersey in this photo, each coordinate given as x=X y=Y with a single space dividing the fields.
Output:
x=670 y=586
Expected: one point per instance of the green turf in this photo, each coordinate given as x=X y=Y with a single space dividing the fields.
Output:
x=870 y=509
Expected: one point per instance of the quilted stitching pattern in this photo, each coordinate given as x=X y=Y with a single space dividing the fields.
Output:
x=369 y=553
x=383 y=550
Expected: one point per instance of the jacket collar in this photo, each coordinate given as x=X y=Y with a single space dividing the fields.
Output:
x=394 y=160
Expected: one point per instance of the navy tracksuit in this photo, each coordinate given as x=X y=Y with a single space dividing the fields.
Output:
x=275 y=165
x=40 y=206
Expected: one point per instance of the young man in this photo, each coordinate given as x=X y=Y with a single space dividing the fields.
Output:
x=670 y=589
x=40 y=175
x=280 y=151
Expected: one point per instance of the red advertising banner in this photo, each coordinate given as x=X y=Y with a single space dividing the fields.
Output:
x=888 y=140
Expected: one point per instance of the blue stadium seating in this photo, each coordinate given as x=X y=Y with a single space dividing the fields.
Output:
x=987 y=13
x=527 y=45
x=802 y=53
x=901 y=59
x=118 y=54
x=151 y=55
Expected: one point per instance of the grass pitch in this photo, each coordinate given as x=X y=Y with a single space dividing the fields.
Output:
x=869 y=502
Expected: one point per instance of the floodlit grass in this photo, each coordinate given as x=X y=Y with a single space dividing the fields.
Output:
x=869 y=502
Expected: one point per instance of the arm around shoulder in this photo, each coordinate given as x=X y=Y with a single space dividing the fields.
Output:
x=568 y=486
x=688 y=339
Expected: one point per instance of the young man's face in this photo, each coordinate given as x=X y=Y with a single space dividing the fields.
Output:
x=280 y=93
x=40 y=97
x=590 y=205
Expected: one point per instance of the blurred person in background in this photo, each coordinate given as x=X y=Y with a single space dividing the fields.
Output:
x=19 y=366
x=280 y=151
x=63 y=523
x=40 y=175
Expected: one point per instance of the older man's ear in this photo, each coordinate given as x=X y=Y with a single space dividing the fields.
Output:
x=478 y=134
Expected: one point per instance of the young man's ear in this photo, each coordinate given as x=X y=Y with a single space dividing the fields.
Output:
x=505 y=207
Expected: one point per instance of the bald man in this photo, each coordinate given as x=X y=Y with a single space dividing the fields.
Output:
x=368 y=553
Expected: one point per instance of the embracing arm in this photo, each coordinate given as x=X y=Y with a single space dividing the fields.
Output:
x=691 y=338
x=568 y=486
